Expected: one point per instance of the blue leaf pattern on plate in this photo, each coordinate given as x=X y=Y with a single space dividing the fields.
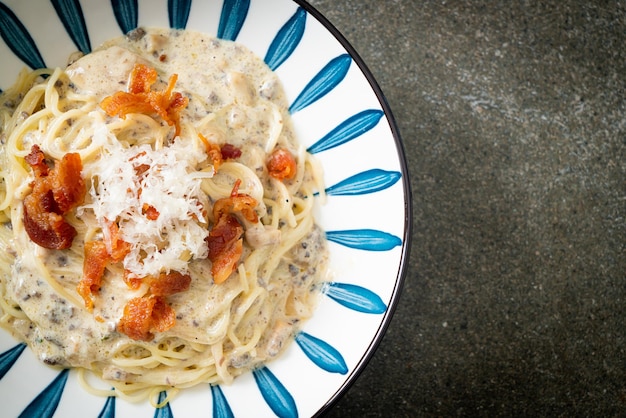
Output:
x=221 y=408
x=109 y=408
x=275 y=394
x=321 y=353
x=178 y=13
x=71 y=14
x=18 y=39
x=165 y=411
x=370 y=181
x=9 y=357
x=286 y=40
x=349 y=129
x=356 y=298
x=233 y=15
x=44 y=405
x=365 y=239
x=126 y=14
x=323 y=82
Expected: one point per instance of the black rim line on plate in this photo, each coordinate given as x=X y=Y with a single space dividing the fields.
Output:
x=408 y=199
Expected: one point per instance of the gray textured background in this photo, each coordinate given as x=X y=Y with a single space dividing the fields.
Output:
x=513 y=117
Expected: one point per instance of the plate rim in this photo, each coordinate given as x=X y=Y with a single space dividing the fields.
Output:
x=408 y=207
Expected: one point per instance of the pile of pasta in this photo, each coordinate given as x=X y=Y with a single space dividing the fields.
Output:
x=153 y=236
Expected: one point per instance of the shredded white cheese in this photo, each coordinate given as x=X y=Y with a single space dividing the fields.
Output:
x=126 y=181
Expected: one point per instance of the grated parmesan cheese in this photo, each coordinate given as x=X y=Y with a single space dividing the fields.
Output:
x=127 y=180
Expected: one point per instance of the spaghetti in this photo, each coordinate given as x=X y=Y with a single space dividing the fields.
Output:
x=194 y=255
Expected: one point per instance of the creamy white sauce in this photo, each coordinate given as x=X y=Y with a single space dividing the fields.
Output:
x=236 y=98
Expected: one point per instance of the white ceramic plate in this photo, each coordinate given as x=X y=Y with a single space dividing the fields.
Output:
x=341 y=116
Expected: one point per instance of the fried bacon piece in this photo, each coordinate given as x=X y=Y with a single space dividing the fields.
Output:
x=166 y=284
x=230 y=152
x=143 y=316
x=55 y=192
x=140 y=98
x=132 y=282
x=219 y=153
x=47 y=229
x=37 y=161
x=68 y=187
x=141 y=79
x=225 y=240
x=97 y=255
x=225 y=246
x=236 y=202
x=96 y=259
x=213 y=151
x=116 y=246
x=150 y=211
x=281 y=164
x=140 y=169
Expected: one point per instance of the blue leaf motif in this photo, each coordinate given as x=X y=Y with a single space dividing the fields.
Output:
x=365 y=239
x=323 y=82
x=18 y=39
x=356 y=298
x=178 y=12
x=166 y=410
x=233 y=15
x=126 y=13
x=44 y=405
x=71 y=14
x=349 y=129
x=9 y=357
x=321 y=353
x=286 y=40
x=221 y=408
x=275 y=394
x=370 y=181
x=109 y=408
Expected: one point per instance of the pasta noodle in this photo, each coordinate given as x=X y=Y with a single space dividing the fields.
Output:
x=189 y=259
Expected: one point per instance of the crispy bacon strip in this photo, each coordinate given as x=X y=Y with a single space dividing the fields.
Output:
x=281 y=164
x=150 y=211
x=142 y=78
x=225 y=244
x=219 y=154
x=213 y=151
x=230 y=152
x=140 y=169
x=118 y=248
x=225 y=240
x=237 y=202
x=140 y=98
x=55 y=192
x=37 y=161
x=166 y=284
x=97 y=255
x=143 y=316
x=131 y=281
x=96 y=259
x=47 y=229
x=163 y=316
x=136 y=321
x=68 y=187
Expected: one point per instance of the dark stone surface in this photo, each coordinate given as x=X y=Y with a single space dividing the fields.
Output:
x=513 y=115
